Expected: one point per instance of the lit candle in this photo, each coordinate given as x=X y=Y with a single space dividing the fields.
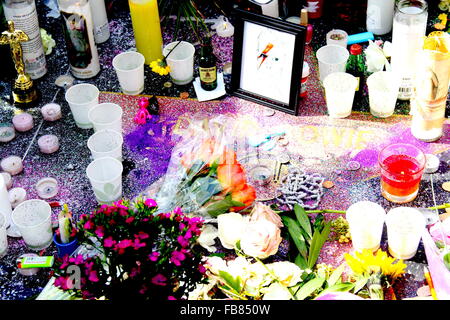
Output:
x=12 y=164
x=51 y=112
x=65 y=224
x=225 y=29
x=17 y=196
x=47 y=188
x=7 y=178
x=48 y=143
x=23 y=122
x=7 y=133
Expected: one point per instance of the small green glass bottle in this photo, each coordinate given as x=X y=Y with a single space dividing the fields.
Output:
x=207 y=67
x=356 y=67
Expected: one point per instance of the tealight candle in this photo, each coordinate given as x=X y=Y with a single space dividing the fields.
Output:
x=23 y=122
x=17 y=196
x=12 y=164
x=47 y=188
x=48 y=143
x=51 y=112
x=7 y=178
x=225 y=30
x=7 y=133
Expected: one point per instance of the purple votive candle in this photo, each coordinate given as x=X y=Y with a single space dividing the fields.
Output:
x=51 y=112
x=23 y=122
x=48 y=143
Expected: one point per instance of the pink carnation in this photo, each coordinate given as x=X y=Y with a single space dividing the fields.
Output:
x=159 y=280
x=150 y=203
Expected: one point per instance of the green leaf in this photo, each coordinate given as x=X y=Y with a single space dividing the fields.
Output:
x=222 y=206
x=317 y=243
x=233 y=283
x=308 y=288
x=303 y=219
x=301 y=262
x=336 y=275
x=447 y=260
x=296 y=235
x=339 y=287
x=360 y=283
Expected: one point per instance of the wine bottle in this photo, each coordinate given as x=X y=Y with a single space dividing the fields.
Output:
x=207 y=67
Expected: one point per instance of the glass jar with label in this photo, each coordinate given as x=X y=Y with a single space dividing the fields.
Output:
x=24 y=15
x=410 y=22
x=207 y=67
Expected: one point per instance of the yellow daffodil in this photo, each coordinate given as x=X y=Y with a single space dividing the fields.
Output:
x=366 y=263
x=160 y=67
x=442 y=22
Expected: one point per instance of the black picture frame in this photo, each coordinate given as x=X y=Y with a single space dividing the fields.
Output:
x=241 y=17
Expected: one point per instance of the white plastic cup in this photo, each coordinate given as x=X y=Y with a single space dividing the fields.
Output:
x=106 y=116
x=180 y=61
x=339 y=92
x=33 y=219
x=129 y=68
x=105 y=175
x=81 y=98
x=366 y=220
x=106 y=143
x=3 y=236
x=383 y=91
x=405 y=226
x=331 y=58
x=338 y=42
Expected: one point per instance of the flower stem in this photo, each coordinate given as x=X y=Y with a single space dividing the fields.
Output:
x=325 y=211
x=442 y=206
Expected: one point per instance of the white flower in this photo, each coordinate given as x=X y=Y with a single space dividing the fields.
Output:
x=288 y=273
x=276 y=291
x=216 y=264
x=230 y=227
x=238 y=267
x=201 y=290
x=375 y=58
x=206 y=238
x=258 y=277
x=261 y=239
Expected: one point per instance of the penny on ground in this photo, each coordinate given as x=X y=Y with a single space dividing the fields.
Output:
x=328 y=184
x=446 y=186
x=184 y=95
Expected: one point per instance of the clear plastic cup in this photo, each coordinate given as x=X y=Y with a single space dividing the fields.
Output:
x=129 y=68
x=105 y=175
x=404 y=230
x=180 y=61
x=33 y=219
x=81 y=99
x=3 y=236
x=366 y=220
x=106 y=116
x=337 y=37
x=106 y=143
x=383 y=91
x=339 y=92
x=331 y=58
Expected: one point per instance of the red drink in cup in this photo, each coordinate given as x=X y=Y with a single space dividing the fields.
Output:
x=402 y=167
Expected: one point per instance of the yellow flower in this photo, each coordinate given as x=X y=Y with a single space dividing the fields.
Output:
x=366 y=263
x=442 y=22
x=160 y=67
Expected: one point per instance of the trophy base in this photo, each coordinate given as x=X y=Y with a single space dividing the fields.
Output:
x=25 y=97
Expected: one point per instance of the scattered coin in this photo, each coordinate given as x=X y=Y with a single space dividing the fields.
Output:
x=269 y=112
x=446 y=186
x=328 y=184
x=353 y=165
x=167 y=84
x=432 y=163
x=184 y=95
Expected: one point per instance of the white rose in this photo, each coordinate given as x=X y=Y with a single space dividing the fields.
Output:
x=238 y=267
x=260 y=239
x=258 y=277
x=288 y=273
x=216 y=264
x=375 y=58
x=230 y=227
x=206 y=238
x=276 y=291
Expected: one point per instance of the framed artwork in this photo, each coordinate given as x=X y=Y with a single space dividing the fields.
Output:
x=267 y=60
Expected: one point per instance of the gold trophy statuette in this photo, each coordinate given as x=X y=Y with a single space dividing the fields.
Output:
x=24 y=92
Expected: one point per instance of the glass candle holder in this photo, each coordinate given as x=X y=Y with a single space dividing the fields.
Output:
x=366 y=220
x=408 y=31
x=402 y=166
x=404 y=229
x=33 y=219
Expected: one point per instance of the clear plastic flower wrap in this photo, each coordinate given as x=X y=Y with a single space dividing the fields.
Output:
x=204 y=176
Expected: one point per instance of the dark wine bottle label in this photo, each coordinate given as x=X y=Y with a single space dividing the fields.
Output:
x=208 y=75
